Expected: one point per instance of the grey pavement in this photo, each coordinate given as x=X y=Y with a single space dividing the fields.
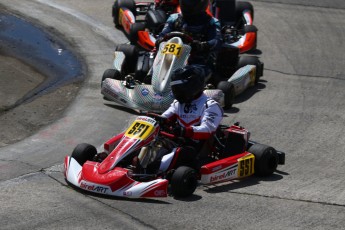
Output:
x=298 y=108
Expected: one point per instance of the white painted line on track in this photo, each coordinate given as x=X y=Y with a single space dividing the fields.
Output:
x=102 y=29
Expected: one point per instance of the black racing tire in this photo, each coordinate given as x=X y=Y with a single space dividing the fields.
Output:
x=183 y=181
x=84 y=152
x=129 y=4
x=112 y=74
x=241 y=6
x=133 y=31
x=250 y=28
x=229 y=93
x=131 y=57
x=251 y=60
x=266 y=159
x=144 y=64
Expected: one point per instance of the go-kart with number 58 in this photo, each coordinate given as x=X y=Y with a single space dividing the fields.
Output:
x=140 y=162
x=141 y=80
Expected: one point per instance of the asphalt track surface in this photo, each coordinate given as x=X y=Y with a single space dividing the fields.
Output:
x=298 y=108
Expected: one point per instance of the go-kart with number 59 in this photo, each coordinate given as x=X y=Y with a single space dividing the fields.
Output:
x=139 y=162
x=141 y=80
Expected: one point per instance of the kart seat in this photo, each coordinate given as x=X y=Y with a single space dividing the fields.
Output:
x=234 y=144
x=155 y=20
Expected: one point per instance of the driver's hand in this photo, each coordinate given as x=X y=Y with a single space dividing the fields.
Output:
x=157 y=117
x=162 y=120
x=158 y=42
x=179 y=131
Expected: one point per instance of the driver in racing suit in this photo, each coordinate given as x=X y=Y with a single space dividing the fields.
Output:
x=203 y=28
x=197 y=116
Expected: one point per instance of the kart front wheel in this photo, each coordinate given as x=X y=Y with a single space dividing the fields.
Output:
x=266 y=159
x=84 y=152
x=183 y=181
x=229 y=93
x=131 y=57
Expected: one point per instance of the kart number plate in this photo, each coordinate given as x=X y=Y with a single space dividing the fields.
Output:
x=172 y=48
x=252 y=76
x=246 y=165
x=139 y=130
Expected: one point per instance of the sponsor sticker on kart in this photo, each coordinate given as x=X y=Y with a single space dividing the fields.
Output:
x=172 y=48
x=160 y=193
x=140 y=128
x=157 y=96
x=94 y=187
x=223 y=176
x=145 y=92
x=246 y=165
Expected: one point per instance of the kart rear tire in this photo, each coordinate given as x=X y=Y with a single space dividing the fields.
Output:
x=131 y=57
x=84 y=152
x=241 y=6
x=133 y=31
x=266 y=159
x=229 y=93
x=183 y=181
x=129 y=4
x=251 y=60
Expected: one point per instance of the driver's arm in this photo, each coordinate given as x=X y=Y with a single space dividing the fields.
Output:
x=169 y=25
x=171 y=112
x=210 y=121
x=214 y=36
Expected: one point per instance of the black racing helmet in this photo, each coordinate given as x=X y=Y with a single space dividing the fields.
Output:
x=193 y=7
x=187 y=83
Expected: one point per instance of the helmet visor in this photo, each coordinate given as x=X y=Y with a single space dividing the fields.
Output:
x=180 y=91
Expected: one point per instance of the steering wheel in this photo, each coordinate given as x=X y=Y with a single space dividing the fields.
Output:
x=185 y=37
x=165 y=126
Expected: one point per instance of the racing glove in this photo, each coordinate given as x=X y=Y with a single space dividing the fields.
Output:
x=183 y=131
x=158 y=42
